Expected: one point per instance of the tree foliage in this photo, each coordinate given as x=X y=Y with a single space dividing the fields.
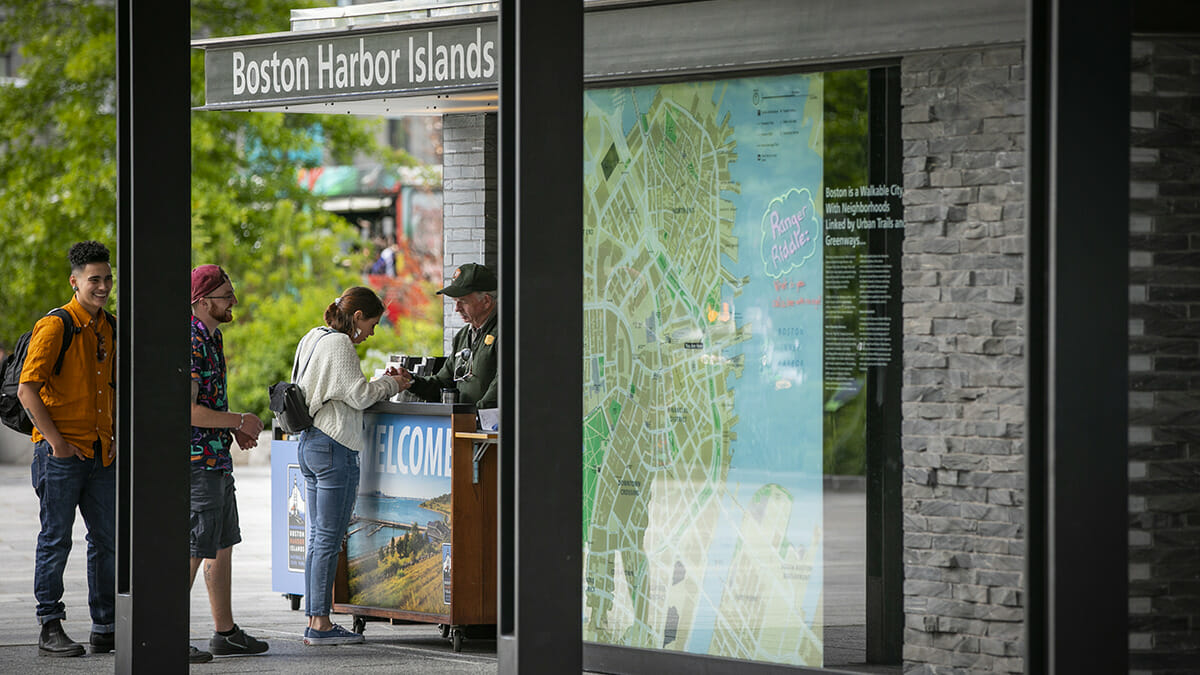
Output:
x=846 y=144
x=57 y=151
x=287 y=257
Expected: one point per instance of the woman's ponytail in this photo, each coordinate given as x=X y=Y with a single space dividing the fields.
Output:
x=339 y=315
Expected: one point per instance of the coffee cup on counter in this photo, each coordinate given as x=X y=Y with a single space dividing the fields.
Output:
x=449 y=396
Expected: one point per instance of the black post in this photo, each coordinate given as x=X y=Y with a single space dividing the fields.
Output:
x=884 y=460
x=153 y=247
x=1078 y=60
x=506 y=466
x=541 y=288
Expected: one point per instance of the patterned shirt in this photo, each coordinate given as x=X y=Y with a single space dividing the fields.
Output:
x=210 y=447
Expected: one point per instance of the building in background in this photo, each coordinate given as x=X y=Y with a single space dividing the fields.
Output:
x=396 y=209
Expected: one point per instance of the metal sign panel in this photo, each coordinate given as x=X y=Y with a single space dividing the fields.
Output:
x=408 y=62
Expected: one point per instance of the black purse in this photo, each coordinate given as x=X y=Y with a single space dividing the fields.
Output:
x=287 y=400
x=291 y=411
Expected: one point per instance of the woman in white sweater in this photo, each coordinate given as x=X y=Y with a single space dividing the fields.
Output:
x=336 y=390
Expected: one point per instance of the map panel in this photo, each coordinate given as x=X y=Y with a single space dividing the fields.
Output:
x=702 y=401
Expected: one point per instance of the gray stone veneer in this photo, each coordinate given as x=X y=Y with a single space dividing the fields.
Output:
x=963 y=430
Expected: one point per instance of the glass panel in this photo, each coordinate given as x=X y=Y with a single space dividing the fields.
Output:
x=845 y=383
x=712 y=425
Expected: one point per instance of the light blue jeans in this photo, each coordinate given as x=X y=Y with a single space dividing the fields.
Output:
x=331 y=486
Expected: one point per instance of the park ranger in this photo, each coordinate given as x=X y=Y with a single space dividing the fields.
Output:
x=471 y=366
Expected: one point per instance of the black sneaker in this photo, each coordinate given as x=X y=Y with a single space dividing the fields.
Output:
x=238 y=643
x=103 y=643
x=54 y=641
x=198 y=655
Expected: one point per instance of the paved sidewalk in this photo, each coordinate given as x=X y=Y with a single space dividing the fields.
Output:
x=414 y=648
x=265 y=614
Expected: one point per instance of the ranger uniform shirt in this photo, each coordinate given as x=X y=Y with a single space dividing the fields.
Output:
x=472 y=372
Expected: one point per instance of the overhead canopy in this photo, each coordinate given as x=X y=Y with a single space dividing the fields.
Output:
x=427 y=57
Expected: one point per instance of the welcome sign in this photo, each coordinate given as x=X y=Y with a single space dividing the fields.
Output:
x=405 y=62
x=397 y=545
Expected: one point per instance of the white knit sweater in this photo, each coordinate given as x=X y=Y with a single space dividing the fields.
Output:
x=336 y=389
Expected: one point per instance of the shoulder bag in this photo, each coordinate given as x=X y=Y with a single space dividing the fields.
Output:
x=287 y=400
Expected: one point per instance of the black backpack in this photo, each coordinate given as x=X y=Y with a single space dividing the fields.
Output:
x=12 y=413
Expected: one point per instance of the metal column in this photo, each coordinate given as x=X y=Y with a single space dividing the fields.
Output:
x=541 y=328
x=154 y=254
x=1078 y=258
x=884 y=457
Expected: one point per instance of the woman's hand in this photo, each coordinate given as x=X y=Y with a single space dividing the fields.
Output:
x=401 y=376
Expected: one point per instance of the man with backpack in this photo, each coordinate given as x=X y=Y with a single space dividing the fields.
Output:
x=72 y=408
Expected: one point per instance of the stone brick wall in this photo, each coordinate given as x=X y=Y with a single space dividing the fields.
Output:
x=1164 y=359
x=469 y=199
x=963 y=429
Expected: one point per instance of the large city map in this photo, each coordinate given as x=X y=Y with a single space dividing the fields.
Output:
x=702 y=368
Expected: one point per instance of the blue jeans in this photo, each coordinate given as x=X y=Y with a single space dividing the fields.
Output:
x=62 y=485
x=331 y=486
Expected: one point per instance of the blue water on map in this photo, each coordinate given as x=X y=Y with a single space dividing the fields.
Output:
x=364 y=539
x=778 y=399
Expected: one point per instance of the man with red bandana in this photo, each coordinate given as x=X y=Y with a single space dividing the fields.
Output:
x=214 y=517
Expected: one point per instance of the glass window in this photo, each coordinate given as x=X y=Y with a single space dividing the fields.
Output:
x=736 y=298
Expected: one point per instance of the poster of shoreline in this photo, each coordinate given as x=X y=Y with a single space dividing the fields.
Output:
x=402 y=515
x=296 y=520
x=702 y=401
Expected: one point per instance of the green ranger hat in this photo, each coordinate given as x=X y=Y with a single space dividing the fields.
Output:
x=470 y=278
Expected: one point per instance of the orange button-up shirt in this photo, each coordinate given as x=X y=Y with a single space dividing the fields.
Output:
x=81 y=399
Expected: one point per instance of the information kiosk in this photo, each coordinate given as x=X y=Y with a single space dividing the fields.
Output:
x=421 y=545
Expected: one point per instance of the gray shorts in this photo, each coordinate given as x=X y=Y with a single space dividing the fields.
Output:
x=214 y=513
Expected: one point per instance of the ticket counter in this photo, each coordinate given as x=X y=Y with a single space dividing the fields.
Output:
x=421 y=545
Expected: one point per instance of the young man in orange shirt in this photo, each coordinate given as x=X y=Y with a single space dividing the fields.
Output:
x=73 y=463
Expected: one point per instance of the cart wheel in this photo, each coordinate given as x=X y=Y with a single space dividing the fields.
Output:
x=360 y=624
x=295 y=601
x=445 y=628
x=458 y=638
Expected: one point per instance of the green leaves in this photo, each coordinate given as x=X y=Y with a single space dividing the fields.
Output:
x=57 y=151
x=288 y=258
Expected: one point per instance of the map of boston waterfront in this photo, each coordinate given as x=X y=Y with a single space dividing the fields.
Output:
x=702 y=401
